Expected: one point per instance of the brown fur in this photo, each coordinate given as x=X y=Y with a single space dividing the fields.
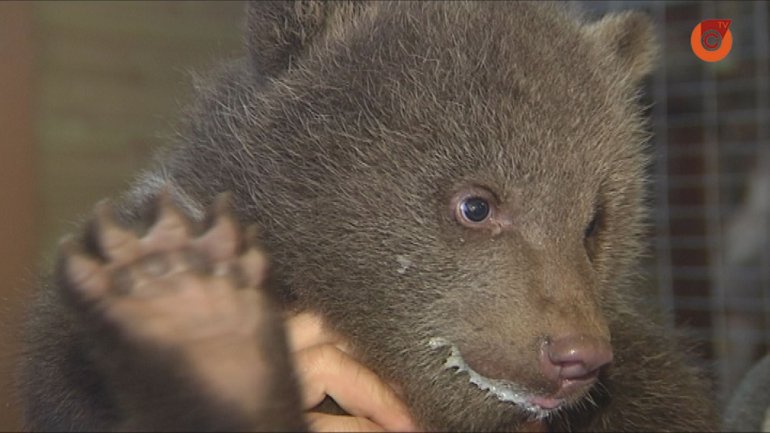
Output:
x=344 y=136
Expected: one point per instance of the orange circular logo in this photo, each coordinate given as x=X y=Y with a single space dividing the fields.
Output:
x=711 y=40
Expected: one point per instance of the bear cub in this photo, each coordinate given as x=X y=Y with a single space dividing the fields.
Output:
x=456 y=187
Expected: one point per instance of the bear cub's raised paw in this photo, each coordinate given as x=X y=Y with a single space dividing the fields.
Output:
x=171 y=286
x=181 y=288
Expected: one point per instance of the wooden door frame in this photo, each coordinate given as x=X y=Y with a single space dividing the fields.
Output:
x=18 y=190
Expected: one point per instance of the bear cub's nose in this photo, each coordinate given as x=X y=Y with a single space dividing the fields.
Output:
x=574 y=358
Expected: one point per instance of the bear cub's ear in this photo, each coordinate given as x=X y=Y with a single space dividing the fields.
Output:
x=632 y=39
x=280 y=32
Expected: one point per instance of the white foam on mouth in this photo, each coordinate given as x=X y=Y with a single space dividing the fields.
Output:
x=503 y=390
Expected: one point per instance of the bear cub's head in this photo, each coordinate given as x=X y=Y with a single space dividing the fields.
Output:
x=456 y=186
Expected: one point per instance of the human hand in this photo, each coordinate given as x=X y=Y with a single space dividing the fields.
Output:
x=325 y=367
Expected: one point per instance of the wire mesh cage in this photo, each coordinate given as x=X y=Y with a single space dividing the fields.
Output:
x=711 y=181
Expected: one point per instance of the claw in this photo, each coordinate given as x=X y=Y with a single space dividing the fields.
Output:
x=117 y=243
x=221 y=240
x=223 y=203
x=251 y=236
x=84 y=273
x=172 y=229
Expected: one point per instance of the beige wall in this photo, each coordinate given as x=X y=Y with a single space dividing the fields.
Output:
x=93 y=87
x=112 y=76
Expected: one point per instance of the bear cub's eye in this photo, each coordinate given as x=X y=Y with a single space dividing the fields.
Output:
x=474 y=209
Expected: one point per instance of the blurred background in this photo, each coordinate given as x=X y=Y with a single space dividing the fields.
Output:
x=89 y=89
x=709 y=257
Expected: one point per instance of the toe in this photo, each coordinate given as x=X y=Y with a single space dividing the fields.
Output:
x=171 y=230
x=85 y=274
x=117 y=243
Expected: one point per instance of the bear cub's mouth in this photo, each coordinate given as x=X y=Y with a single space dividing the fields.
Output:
x=504 y=390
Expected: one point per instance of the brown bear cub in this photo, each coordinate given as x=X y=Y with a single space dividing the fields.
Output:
x=456 y=187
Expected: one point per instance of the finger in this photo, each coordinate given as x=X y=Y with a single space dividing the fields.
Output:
x=326 y=370
x=321 y=422
x=306 y=330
